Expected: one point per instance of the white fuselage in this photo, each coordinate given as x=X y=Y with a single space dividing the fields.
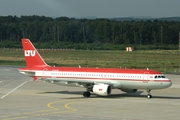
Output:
x=117 y=80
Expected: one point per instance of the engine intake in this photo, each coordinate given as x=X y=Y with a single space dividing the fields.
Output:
x=102 y=89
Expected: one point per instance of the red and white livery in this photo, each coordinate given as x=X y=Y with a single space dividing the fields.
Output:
x=97 y=80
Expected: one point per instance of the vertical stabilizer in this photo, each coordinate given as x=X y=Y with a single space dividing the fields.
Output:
x=31 y=55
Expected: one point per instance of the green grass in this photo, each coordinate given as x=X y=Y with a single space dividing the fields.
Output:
x=11 y=62
x=164 y=61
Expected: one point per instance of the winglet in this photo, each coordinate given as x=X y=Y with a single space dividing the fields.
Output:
x=31 y=55
x=35 y=78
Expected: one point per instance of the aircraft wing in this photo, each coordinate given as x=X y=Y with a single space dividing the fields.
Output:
x=29 y=73
x=83 y=82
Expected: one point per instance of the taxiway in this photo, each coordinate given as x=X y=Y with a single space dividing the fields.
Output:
x=23 y=98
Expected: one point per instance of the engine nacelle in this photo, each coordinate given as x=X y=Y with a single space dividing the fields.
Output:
x=128 y=90
x=102 y=89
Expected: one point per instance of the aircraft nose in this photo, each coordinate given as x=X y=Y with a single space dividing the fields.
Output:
x=168 y=83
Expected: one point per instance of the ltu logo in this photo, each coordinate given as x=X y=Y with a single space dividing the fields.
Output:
x=29 y=53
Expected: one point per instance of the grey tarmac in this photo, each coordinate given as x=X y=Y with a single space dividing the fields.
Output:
x=21 y=98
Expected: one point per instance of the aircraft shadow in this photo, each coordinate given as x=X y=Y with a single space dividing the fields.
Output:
x=121 y=95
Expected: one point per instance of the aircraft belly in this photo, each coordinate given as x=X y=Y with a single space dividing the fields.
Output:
x=116 y=84
x=142 y=85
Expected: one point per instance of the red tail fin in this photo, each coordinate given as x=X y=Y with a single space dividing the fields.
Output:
x=31 y=55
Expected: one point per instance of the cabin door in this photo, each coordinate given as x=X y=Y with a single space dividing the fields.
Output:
x=145 y=77
x=44 y=74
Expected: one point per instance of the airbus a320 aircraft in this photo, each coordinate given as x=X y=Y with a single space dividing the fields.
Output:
x=100 y=81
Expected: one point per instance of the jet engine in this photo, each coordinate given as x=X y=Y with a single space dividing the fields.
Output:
x=102 y=89
x=128 y=90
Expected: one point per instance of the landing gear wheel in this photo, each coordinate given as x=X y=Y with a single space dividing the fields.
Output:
x=149 y=96
x=86 y=94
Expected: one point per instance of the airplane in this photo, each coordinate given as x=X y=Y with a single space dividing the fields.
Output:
x=99 y=81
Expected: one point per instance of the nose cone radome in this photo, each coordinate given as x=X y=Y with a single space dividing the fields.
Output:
x=168 y=83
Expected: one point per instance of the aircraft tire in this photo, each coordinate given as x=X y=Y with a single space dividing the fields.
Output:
x=149 y=96
x=86 y=94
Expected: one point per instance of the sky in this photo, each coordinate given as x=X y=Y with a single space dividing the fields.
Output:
x=91 y=8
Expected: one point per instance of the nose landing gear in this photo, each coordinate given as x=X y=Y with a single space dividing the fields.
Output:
x=149 y=94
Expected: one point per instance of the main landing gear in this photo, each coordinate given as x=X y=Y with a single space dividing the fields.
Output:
x=149 y=94
x=86 y=94
x=88 y=91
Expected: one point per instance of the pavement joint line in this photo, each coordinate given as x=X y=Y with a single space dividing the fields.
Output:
x=25 y=113
x=7 y=85
x=13 y=90
x=34 y=115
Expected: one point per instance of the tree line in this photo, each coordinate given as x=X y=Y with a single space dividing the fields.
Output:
x=49 y=32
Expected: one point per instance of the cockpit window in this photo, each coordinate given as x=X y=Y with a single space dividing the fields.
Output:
x=162 y=76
